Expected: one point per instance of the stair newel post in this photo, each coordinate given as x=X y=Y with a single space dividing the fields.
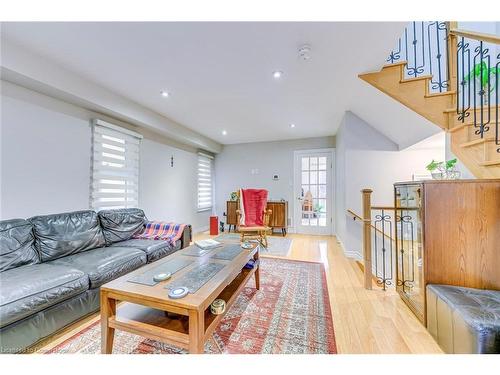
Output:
x=367 y=238
x=452 y=60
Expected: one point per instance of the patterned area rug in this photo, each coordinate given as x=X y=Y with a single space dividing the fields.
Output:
x=279 y=246
x=290 y=314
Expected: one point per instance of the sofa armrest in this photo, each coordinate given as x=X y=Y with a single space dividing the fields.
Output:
x=187 y=236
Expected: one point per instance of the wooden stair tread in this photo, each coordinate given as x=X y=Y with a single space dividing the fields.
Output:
x=490 y=163
x=476 y=142
x=402 y=62
x=434 y=94
x=413 y=79
x=464 y=125
x=449 y=110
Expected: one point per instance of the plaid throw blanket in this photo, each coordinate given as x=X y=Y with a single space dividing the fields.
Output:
x=158 y=230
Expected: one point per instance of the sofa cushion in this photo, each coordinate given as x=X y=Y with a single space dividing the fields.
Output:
x=64 y=234
x=154 y=249
x=29 y=289
x=122 y=224
x=17 y=246
x=106 y=263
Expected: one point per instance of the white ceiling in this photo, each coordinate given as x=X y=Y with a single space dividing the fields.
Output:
x=220 y=74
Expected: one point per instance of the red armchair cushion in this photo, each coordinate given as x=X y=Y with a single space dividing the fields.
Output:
x=253 y=203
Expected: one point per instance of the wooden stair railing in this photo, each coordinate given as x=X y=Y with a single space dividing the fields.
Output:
x=378 y=241
x=457 y=103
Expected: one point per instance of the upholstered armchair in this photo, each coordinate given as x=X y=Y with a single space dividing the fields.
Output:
x=252 y=215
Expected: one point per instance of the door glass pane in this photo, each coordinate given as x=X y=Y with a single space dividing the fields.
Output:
x=322 y=191
x=307 y=206
x=305 y=163
x=314 y=191
x=322 y=220
x=322 y=163
x=313 y=178
x=321 y=207
x=314 y=164
x=305 y=178
x=322 y=177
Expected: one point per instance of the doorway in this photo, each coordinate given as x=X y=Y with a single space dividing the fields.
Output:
x=313 y=191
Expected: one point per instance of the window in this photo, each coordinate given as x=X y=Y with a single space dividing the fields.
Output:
x=205 y=181
x=115 y=167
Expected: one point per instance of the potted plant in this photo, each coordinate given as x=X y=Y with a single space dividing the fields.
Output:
x=451 y=172
x=443 y=170
x=481 y=74
x=436 y=169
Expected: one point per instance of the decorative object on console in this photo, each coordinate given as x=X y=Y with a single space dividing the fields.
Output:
x=443 y=170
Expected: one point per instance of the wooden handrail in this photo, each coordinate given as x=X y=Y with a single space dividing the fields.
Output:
x=357 y=217
x=383 y=208
x=354 y=214
x=388 y=208
x=491 y=38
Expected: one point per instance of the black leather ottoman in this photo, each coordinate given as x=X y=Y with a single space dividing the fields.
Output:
x=464 y=320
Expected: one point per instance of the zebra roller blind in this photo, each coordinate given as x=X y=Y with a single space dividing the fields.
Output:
x=205 y=181
x=115 y=167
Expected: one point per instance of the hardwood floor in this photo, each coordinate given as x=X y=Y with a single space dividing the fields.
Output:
x=364 y=321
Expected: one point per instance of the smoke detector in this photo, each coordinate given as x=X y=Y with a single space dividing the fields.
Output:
x=305 y=52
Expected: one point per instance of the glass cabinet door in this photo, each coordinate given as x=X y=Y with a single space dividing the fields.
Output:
x=409 y=245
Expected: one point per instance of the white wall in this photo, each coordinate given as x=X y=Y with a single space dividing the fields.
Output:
x=367 y=159
x=234 y=165
x=45 y=162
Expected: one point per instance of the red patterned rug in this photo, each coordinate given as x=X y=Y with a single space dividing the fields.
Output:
x=290 y=314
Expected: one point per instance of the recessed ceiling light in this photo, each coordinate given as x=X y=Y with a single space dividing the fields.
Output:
x=224 y=132
x=292 y=125
x=165 y=94
x=277 y=74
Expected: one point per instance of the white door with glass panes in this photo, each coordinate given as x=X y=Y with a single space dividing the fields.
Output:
x=313 y=192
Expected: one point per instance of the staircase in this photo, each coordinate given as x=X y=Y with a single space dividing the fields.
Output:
x=451 y=78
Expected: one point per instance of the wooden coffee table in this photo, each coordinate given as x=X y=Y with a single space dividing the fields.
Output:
x=187 y=322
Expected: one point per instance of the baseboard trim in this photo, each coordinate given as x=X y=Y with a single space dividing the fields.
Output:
x=349 y=254
x=200 y=229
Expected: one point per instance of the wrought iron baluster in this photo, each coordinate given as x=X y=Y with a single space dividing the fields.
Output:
x=484 y=66
x=417 y=69
x=384 y=276
x=463 y=56
x=395 y=55
x=407 y=278
x=437 y=81
x=424 y=47
x=402 y=251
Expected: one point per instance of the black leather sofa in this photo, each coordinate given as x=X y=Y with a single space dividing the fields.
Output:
x=51 y=268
